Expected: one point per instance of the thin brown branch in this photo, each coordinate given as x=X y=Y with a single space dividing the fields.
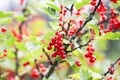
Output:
x=49 y=59
x=37 y=67
x=80 y=46
x=16 y=50
x=52 y=68
x=111 y=66
x=16 y=63
x=89 y=18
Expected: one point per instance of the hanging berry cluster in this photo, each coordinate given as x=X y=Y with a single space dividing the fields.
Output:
x=89 y=54
x=57 y=42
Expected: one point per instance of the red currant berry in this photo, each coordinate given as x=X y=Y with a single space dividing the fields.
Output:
x=92 y=59
x=3 y=29
x=5 y=50
x=49 y=47
x=34 y=74
x=5 y=54
x=77 y=62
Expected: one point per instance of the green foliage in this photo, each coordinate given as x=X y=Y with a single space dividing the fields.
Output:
x=110 y=36
x=4 y=14
x=20 y=46
x=53 y=6
x=20 y=18
x=6 y=21
x=79 y=5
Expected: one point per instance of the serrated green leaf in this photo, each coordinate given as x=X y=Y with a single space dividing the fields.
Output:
x=51 y=11
x=54 y=7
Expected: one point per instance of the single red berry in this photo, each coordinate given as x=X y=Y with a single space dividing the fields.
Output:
x=92 y=59
x=5 y=50
x=87 y=55
x=5 y=54
x=54 y=55
x=3 y=29
x=34 y=73
x=77 y=62
x=43 y=70
x=119 y=63
x=62 y=56
x=26 y=63
x=41 y=66
x=49 y=47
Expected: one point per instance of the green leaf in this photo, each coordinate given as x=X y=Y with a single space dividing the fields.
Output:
x=10 y=41
x=5 y=14
x=110 y=36
x=5 y=20
x=80 y=4
x=54 y=7
x=20 y=18
x=33 y=38
x=89 y=75
x=51 y=11
x=20 y=46
x=113 y=5
x=2 y=36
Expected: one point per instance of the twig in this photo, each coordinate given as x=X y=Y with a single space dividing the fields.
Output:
x=50 y=61
x=16 y=50
x=89 y=18
x=52 y=68
x=17 y=63
x=37 y=67
x=80 y=46
x=112 y=66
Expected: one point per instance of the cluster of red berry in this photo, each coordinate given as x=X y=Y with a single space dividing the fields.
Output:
x=35 y=73
x=93 y=2
x=42 y=68
x=89 y=54
x=57 y=42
